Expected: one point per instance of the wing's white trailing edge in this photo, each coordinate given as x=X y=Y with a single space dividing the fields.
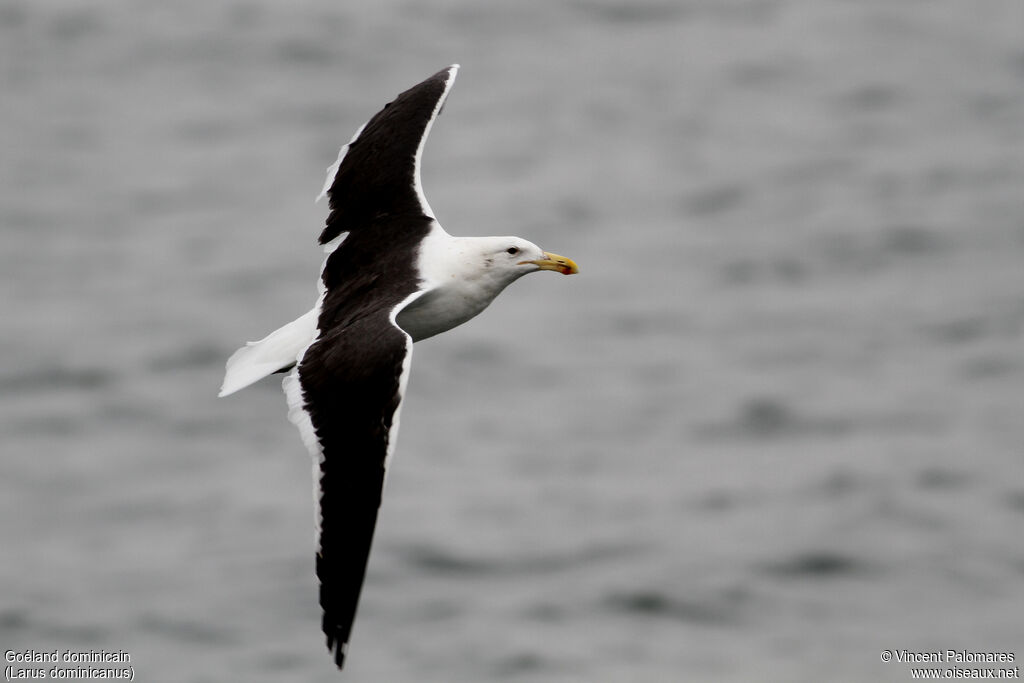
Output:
x=332 y=170
x=298 y=416
x=276 y=351
x=453 y=71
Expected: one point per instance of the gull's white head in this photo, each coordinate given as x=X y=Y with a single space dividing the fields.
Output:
x=506 y=259
x=462 y=275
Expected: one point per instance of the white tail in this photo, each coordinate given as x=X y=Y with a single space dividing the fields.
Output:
x=277 y=351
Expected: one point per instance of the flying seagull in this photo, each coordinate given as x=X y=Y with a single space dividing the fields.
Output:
x=392 y=276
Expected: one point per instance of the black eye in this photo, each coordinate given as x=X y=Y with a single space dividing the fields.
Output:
x=512 y=250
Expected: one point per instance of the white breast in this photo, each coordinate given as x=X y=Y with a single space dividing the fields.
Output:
x=459 y=281
x=441 y=309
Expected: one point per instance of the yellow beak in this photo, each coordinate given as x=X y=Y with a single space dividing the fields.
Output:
x=561 y=264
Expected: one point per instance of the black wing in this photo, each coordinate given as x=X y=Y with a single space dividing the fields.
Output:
x=351 y=380
x=378 y=172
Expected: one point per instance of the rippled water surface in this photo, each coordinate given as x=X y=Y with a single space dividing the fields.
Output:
x=772 y=428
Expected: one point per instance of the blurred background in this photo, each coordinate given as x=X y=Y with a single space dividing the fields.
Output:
x=772 y=428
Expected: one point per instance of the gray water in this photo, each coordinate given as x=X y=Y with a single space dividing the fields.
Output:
x=773 y=427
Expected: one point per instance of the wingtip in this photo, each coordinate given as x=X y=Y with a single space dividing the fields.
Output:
x=339 y=650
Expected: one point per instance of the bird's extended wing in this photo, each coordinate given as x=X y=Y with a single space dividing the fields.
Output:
x=345 y=395
x=380 y=166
